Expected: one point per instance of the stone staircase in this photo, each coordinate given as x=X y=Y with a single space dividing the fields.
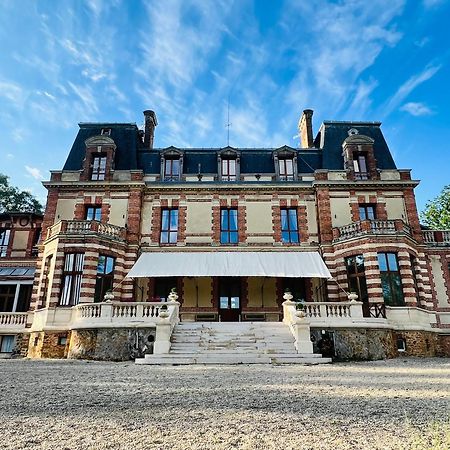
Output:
x=232 y=343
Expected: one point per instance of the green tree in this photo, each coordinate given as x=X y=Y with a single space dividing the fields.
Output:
x=437 y=211
x=13 y=199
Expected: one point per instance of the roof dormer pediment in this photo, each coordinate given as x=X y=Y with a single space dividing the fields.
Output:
x=100 y=141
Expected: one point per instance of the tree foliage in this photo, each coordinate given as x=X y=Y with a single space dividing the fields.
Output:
x=13 y=199
x=437 y=211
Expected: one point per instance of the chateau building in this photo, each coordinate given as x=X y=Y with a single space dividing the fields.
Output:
x=233 y=229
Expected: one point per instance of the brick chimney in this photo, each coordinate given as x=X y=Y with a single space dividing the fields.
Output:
x=149 y=130
x=305 y=130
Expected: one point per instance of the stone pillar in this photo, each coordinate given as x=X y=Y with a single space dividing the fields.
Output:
x=162 y=341
x=302 y=335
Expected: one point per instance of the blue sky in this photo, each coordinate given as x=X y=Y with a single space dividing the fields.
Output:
x=64 y=62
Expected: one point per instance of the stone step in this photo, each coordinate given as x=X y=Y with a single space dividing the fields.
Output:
x=232 y=359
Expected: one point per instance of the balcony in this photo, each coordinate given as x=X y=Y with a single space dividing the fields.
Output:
x=351 y=315
x=13 y=322
x=86 y=228
x=104 y=315
x=371 y=227
x=436 y=237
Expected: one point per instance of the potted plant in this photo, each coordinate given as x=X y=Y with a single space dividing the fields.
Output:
x=288 y=295
x=109 y=296
x=300 y=308
x=163 y=313
x=173 y=296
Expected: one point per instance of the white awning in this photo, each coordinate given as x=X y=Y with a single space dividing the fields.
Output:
x=230 y=264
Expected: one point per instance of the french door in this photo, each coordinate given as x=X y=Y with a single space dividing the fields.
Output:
x=229 y=299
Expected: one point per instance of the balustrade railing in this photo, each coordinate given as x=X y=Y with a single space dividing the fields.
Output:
x=121 y=313
x=13 y=319
x=86 y=227
x=363 y=227
x=332 y=310
x=436 y=237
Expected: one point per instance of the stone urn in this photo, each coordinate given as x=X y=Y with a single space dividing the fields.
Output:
x=173 y=296
x=109 y=296
x=163 y=313
x=288 y=296
x=300 y=313
x=353 y=297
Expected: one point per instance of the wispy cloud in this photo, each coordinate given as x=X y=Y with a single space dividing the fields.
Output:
x=416 y=109
x=406 y=88
x=34 y=172
x=12 y=92
x=337 y=57
x=85 y=94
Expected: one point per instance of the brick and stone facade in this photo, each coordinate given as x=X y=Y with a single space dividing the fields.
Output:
x=326 y=188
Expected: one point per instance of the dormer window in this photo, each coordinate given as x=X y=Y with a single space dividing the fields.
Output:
x=171 y=165
x=360 y=166
x=286 y=168
x=106 y=132
x=98 y=164
x=98 y=167
x=228 y=169
x=228 y=164
x=172 y=170
x=359 y=158
x=285 y=159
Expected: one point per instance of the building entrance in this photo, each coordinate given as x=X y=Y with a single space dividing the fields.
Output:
x=229 y=299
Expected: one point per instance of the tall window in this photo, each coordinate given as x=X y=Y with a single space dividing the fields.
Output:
x=169 y=226
x=289 y=226
x=172 y=169
x=228 y=169
x=286 y=167
x=98 y=167
x=360 y=166
x=105 y=277
x=93 y=213
x=4 y=241
x=356 y=276
x=71 y=279
x=7 y=293
x=367 y=211
x=229 y=226
x=391 y=281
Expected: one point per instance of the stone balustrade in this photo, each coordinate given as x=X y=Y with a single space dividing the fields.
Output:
x=373 y=227
x=86 y=227
x=121 y=314
x=13 y=322
x=436 y=237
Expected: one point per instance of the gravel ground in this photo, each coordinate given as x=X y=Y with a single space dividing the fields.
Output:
x=54 y=404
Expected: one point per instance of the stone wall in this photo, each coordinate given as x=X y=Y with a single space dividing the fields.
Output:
x=111 y=344
x=419 y=343
x=20 y=349
x=373 y=344
x=444 y=345
x=44 y=344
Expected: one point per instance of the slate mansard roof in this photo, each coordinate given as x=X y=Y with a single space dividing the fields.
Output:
x=327 y=153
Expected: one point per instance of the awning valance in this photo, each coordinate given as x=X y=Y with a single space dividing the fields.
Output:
x=230 y=264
